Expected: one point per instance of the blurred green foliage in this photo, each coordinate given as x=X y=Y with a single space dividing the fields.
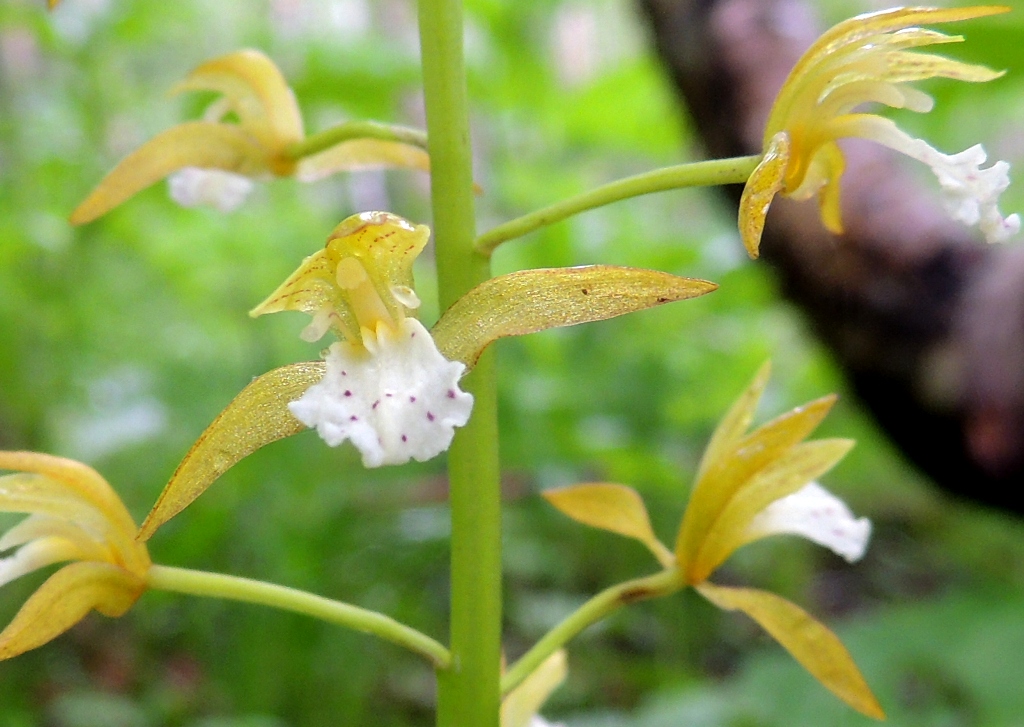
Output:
x=123 y=339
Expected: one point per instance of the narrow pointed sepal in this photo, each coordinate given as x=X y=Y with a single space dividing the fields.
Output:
x=64 y=600
x=616 y=508
x=356 y=155
x=723 y=478
x=737 y=420
x=256 y=417
x=198 y=144
x=764 y=183
x=256 y=91
x=791 y=472
x=812 y=644
x=535 y=300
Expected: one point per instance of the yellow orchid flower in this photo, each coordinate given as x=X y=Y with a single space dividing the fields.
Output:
x=749 y=486
x=389 y=385
x=521 y=706
x=865 y=60
x=386 y=387
x=74 y=515
x=213 y=161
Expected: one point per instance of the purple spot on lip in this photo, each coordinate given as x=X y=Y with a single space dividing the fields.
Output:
x=348 y=393
x=405 y=438
x=375 y=404
x=412 y=399
x=344 y=373
x=353 y=418
x=388 y=395
x=430 y=416
x=451 y=393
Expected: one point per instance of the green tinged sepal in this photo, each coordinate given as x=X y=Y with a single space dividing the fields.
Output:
x=529 y=301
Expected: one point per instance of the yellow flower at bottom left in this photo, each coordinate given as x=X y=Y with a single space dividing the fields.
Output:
x=73 y=515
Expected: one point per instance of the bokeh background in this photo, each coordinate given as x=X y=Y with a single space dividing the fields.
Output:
x=120 y=341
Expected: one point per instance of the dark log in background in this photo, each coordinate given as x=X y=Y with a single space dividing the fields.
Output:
x=926 y=320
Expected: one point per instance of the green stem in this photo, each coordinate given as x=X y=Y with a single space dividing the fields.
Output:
x=468 y=692
x=356 y=130
x=697 y=174
x=233 y=588
x=604 y=603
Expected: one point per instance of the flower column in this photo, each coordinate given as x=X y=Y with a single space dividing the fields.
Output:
x=468 y=693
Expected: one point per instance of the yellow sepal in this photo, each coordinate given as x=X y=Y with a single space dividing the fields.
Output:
x=616 y=508
x=535 y=300
x=357 y=155
x=763 y=184
x=256 y=417
x=256 y=91
x=803 y=463
x=193 y=144
x=64 y=600
x=812 y=644
x=732 y=470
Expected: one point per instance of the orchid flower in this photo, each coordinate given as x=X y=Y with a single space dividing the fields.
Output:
x=213 y=161
x=521 y=706
x=866 y=60
x=749 y=486
x=73 y=515
x=389 y=385
x=386 y=388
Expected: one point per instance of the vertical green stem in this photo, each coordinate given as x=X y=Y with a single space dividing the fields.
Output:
x=469 y=691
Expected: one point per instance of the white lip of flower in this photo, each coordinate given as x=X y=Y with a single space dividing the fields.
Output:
x=396 y=399
x=191 y=187
x=970 y=193
x=814 y=513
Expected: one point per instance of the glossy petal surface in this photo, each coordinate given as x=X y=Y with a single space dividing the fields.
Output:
x=535 y=300
x=64 y=600
x=256 y=417
x=616 y=508
x=810 y=643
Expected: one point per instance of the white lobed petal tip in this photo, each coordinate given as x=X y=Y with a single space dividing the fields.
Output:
x=816 y=514
x=191 y=187
x=396 y=400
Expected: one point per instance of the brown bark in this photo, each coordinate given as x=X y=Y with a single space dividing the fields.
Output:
x=926 y=320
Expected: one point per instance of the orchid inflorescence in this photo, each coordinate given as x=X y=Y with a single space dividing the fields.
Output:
x=392 y=386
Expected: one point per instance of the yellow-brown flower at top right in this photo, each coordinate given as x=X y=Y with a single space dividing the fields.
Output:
x=868 y=59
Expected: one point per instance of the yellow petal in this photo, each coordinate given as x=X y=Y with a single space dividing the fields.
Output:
x=362 y=154
x=523 y=702
x=193 y=144
x=908 y=66
x=308 y=289
x=852 y=32
x=830 y=157
x=801 y=464
x=763 y=184
x=736 y=421
x=535 y=300
x=810 y=642
x=615 y=508
x=733 y=470
x=64 y=599
x=257 y=92
x=256 y=417
x=62 y=475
